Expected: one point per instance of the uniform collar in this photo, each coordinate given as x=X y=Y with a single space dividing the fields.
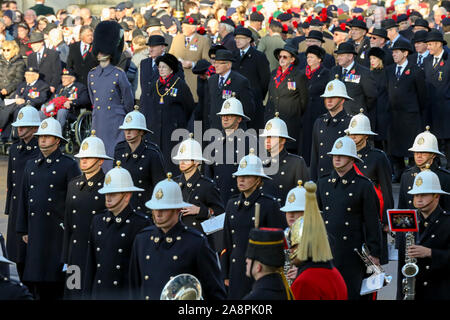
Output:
x=23 y=146
x=139 y=150
x=51 y=158
x=93 y=181
x=168 y=239
x=336 y=119
x=121 y=218
x=250 y=201
x=192 y=180
x=425 y=225
x=278 y=158
x=346 y=179
x=364 y=150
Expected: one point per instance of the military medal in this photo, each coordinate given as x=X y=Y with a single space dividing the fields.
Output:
x=440 y=76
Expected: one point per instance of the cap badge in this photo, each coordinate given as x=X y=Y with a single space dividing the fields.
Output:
x=419 y=181
x=243 y=164
x=20 y=116
x=84 y=146
x=291 y=198
x=108 y=179
x=339 y=144
x=269 y=126
x=421 y=141
x=330 y=87
x=44 y=125
x=159 y=194
x=227 y=105
x=128 y=119
x=354 y=123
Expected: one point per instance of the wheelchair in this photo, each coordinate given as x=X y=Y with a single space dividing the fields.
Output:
x=76 y=129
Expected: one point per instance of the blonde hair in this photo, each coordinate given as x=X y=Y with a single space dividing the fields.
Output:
x=314 y=243
x=139 y=20
x=139 y=43
x=12 y=45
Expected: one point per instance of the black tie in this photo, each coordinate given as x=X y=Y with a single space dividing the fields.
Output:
x=242 y=53
x=399 y=73
x=221 y=81
x=436 y=59
x=419 y=63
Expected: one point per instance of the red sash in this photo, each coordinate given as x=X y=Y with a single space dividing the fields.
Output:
x=377 y=191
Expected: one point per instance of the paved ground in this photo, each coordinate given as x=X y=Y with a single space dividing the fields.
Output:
x=387 y=293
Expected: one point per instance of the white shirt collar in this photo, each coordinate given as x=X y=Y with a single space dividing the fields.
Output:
x=424 y=55
x=225 y=76
x=403 y=66
x=245 y=50
x=32 y=84
x=440 y=56
x=349 y=67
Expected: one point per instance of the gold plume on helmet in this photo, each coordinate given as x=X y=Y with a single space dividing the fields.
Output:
x=314 y=243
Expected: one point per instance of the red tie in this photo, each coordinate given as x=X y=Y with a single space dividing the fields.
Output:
x=85 y=51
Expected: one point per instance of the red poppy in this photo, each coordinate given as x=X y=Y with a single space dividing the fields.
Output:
x=295 y=24
x=289 y=11
x=223 y=18
x=191 y=21
x=270 y=20
x=343 y=26
x=441 y=64
x=253 y=9
x=285 y=28
x=407 y=72
x=353 y=71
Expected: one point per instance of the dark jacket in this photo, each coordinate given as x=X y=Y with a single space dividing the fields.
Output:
x=49 y=67
x=157 y=256
x=11 y=75
x=173 y=113
x=239 y=220
x=382 y=118
x=235 y=83
x=326 y=130
x=290 y=100
x=77 y=93
x=146 y=166
x=109 y=250
x=433 y=279
x=19 y=154
x=314 y=109
x=255 y=67
x=377 y=168
x=34 y=95
x=350 y=210
x=81 y=66
x=269 y=287
x=41 y=214
x=407 y=102
x=82 y=202
x=361 y=87
x=438 y=83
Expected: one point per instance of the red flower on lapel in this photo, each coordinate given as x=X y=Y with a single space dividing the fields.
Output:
x=441 y=64
x=228 y=82
x=45 y=55
x=407 y=72
x=353 y=71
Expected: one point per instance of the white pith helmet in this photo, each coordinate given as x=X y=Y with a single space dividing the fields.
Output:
x=118 y=179
x=167 y=195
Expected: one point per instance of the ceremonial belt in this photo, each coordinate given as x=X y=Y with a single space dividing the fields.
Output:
x=377 y=191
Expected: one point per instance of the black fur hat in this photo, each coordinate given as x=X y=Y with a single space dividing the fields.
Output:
x=108 y=39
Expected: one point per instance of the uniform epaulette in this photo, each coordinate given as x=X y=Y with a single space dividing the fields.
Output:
x=295 y=155
x=206 y=178
x=148 y=229
x=444 y=170
x=119 y=68
x=120 y=145
x=446 y=213
x=193 y=231
x=141 y=214
x=268 y=196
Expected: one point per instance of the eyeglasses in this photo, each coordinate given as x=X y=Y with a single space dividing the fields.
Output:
x=283 y=57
